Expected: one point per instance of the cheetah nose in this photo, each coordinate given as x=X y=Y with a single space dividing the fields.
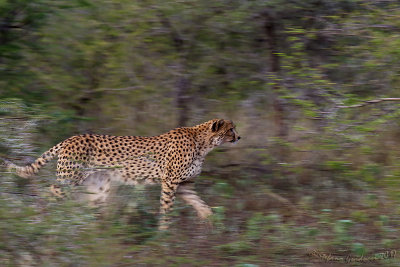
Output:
x=238 y=138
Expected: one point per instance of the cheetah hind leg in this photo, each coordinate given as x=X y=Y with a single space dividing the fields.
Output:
x=56 y=191
x=96 y=188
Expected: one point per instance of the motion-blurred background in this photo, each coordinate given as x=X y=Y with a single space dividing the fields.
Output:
x=317 y=166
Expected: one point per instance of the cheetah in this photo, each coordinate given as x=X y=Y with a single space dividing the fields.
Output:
x=171 y=159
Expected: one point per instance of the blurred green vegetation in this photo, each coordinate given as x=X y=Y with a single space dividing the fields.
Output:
x=311 y=172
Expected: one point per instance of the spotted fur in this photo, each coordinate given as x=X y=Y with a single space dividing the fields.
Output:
x=171 y=159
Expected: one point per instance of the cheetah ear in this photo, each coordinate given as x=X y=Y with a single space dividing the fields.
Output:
x=217 y=125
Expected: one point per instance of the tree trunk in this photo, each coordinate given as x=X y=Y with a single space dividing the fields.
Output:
x=183 y=83
x=275 y=67
x=182 y=99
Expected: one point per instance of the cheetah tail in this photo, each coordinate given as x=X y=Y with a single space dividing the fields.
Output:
x=31 y=169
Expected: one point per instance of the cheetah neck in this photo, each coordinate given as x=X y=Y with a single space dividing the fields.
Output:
x=203 y=138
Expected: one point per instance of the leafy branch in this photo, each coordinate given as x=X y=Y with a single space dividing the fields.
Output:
x=369 y=102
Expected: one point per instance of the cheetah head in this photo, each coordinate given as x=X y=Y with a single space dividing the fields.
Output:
x=223 y=131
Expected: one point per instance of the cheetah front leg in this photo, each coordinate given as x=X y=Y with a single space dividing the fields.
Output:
x=187 y=193
x=168 y=192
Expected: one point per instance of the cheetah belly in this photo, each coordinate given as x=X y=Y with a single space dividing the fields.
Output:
x=140 y=170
